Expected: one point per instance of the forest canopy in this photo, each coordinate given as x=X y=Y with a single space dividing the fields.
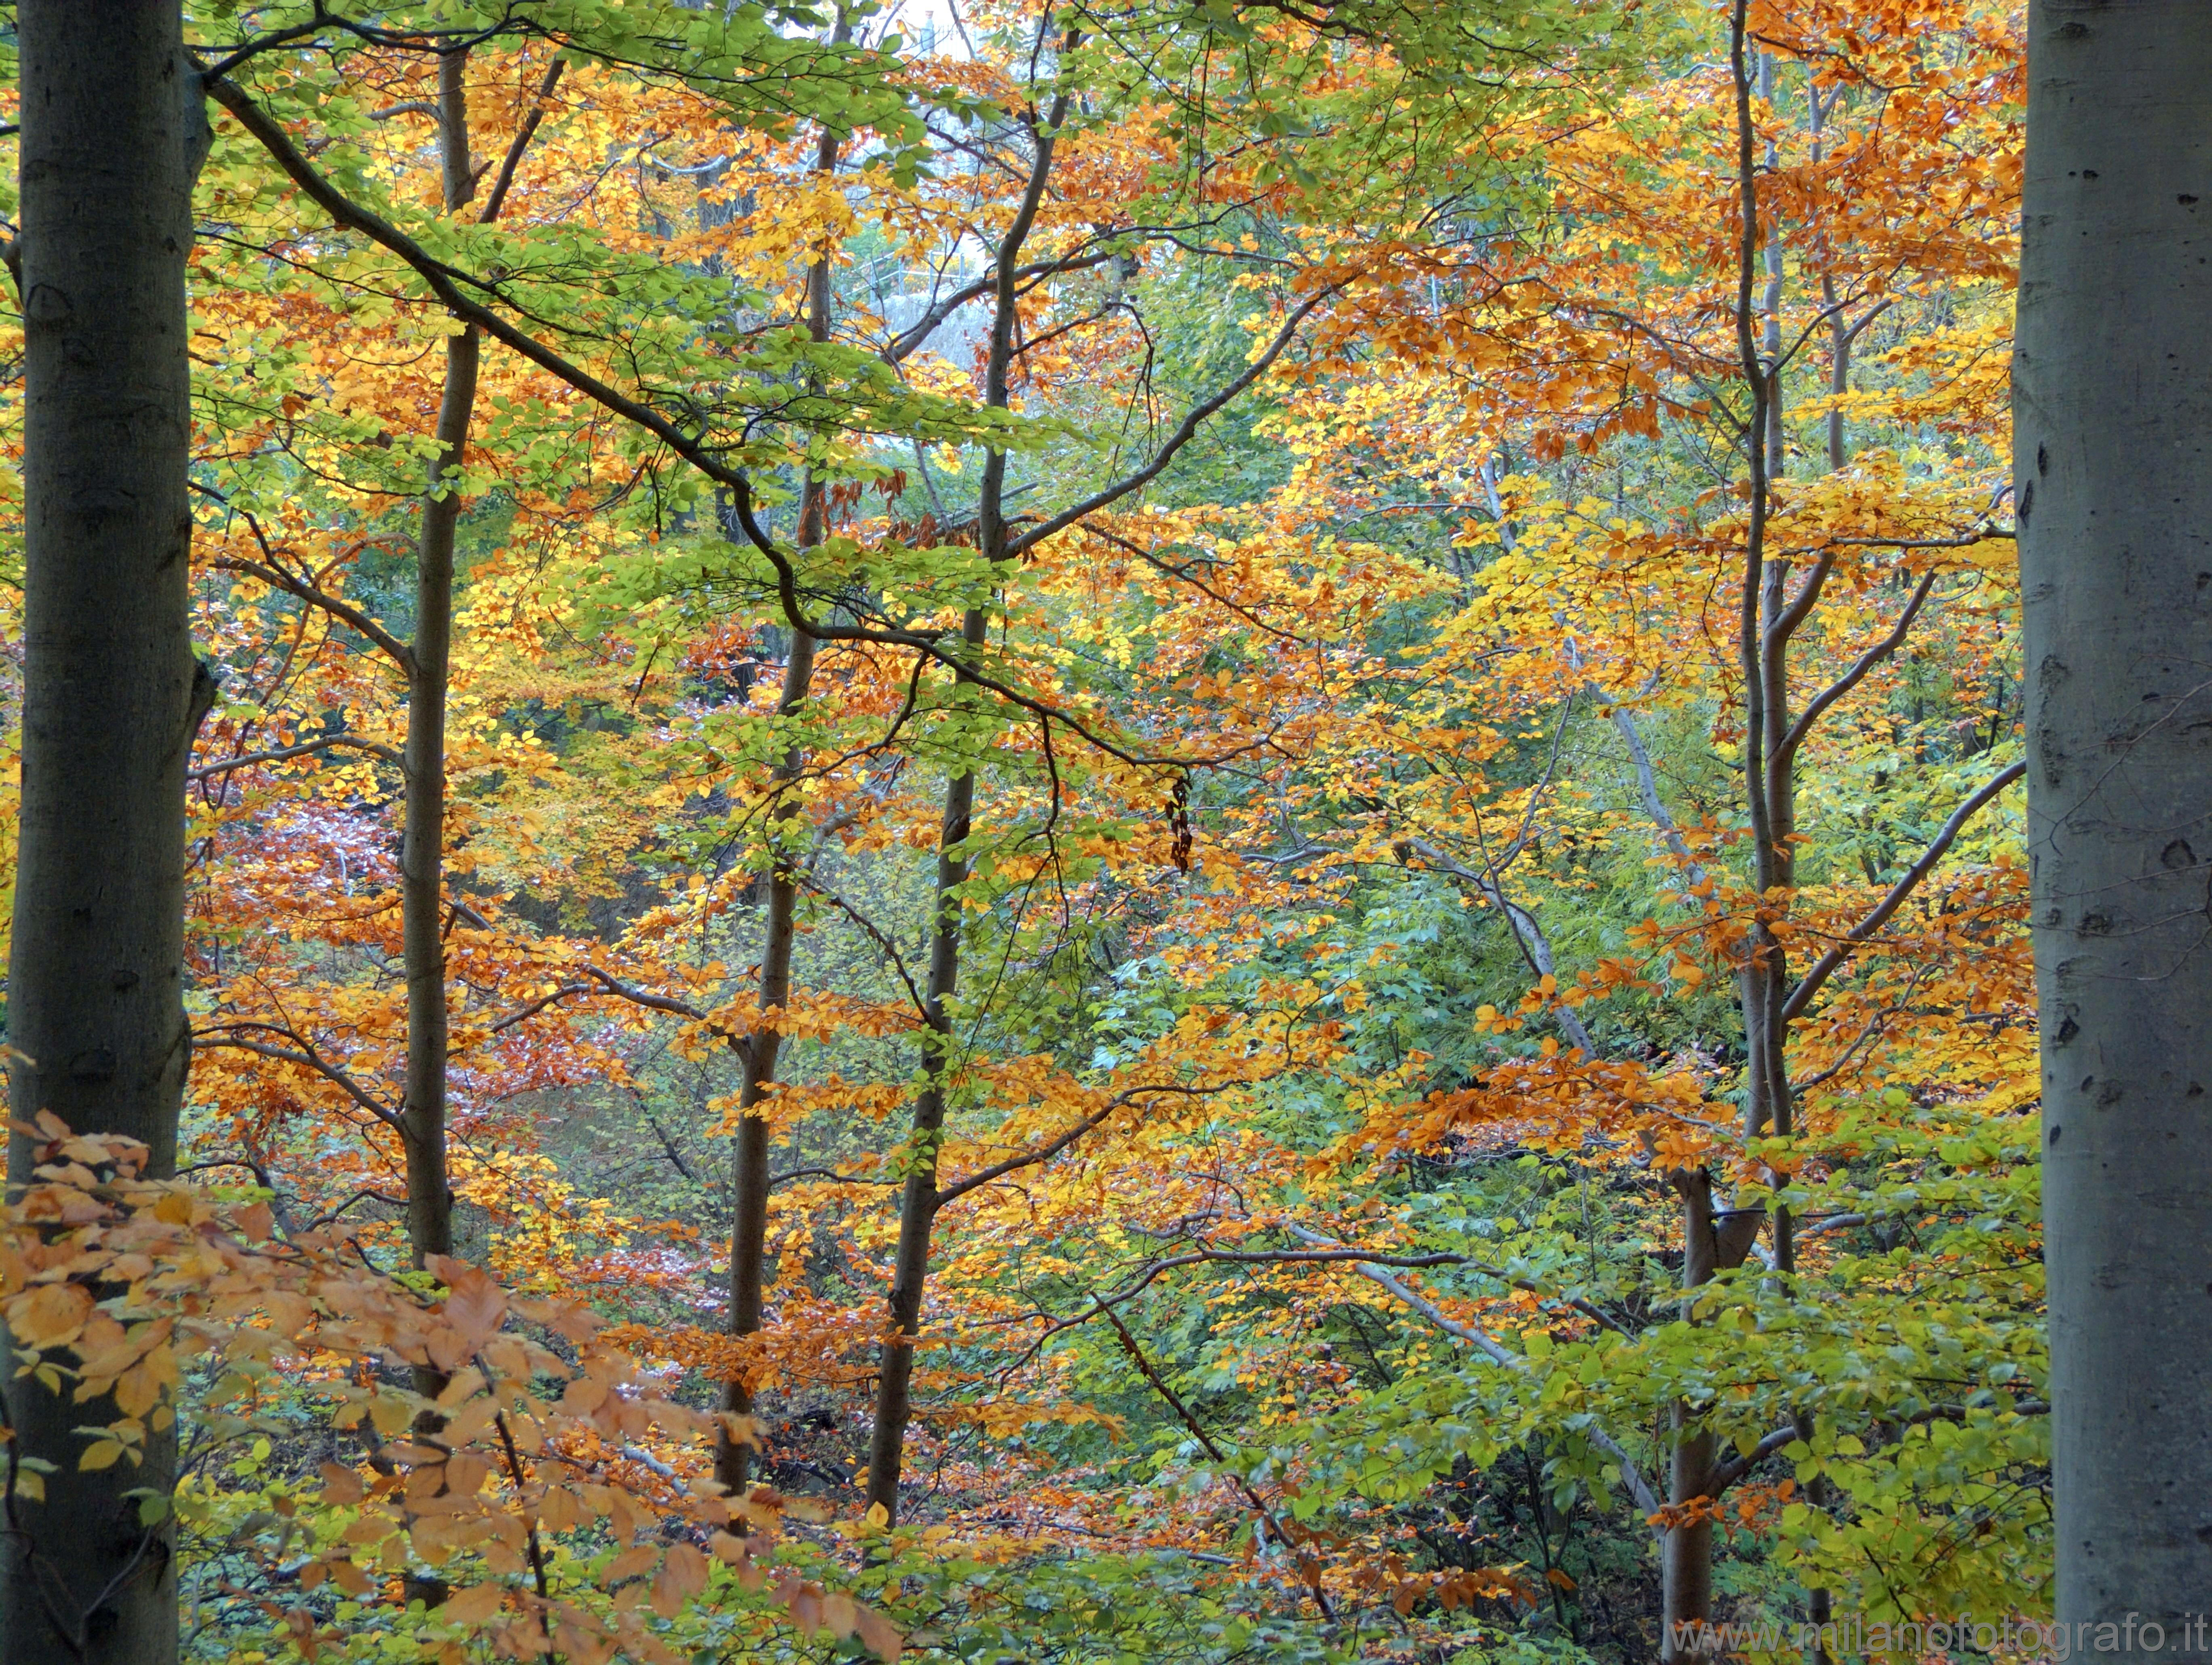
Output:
x=1083 y=832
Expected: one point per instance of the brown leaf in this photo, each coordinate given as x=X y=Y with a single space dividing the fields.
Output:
x=686 y=1569
x=475 y=1604
x=477 y=1305
x=878 y=1632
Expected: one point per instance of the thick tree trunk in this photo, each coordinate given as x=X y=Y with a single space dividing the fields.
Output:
x=113 y=130
x=422 y=851
x=2112 y=477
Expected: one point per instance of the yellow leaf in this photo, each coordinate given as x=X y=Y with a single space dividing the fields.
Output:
x=50 y=1315
x=101 y=1454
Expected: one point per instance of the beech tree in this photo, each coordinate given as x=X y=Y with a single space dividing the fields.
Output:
x=2113 y=426
x=113 y=137
x=1206 y=814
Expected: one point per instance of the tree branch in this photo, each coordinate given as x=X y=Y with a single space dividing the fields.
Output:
x=1534 y=945
x=400 y=654
x=225 y=1035
x=1647 y=788
x=275 y=572
x=522 y=137
x=1851 y=678
x=252 y=759
x=1476 y=1337
x=1725 y=1474
x=1182 y=435
x=523 y=1014
x=905 y=343
x=1198 y=1431
x=1826 y=967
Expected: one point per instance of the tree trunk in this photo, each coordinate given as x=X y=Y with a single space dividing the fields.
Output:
x=749 y=1178
x=1712 y=1241
x=422 y=868
x=422 y=850
x=113 y=131
x=918 y=1199
x=1687 y=1550
x=750 y=1175
x=2112 y=477
x=1686 y=1559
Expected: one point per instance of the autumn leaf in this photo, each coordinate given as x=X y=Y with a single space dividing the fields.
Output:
x=473 y=1604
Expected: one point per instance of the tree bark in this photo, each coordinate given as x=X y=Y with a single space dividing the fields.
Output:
x=422 y=849
x=918 y=1197
x=750 y=1174
x=1712 y=1241
x=113 y=132
x=2112 y=481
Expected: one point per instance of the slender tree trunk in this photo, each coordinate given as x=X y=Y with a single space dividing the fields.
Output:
x=1713 y=1240
x=749 y=1179
x=1818 y=1606
x=918 y=1198
x=1685 y=1561
x=750 y=1176
x=1763 y=637
x=2112 y=480
x=422 y=851
x=113 y=130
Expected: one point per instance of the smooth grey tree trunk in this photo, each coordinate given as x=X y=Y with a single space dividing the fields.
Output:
x=113 y=132
x=2112 y=478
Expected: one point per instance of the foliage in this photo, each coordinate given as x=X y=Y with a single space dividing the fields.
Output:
x=1351 y=927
